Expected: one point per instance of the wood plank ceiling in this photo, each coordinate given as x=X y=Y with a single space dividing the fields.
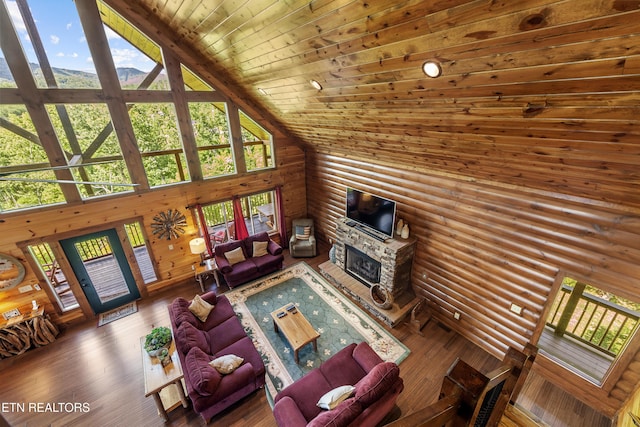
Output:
x=541 y=94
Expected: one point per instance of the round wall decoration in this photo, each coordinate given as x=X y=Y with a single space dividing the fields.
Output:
x=169 y=225
x=11 y=272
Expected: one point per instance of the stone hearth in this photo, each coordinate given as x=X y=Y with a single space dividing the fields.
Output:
x=395 y=258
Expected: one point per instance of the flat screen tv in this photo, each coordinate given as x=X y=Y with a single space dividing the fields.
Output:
x=371 y=211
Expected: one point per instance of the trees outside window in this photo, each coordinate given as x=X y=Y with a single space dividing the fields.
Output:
x=212 y=134
x=18 y=140
x=158 y=137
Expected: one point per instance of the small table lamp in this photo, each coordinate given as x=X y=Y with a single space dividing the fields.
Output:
x=198 y=247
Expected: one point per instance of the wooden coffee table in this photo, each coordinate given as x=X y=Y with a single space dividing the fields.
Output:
x=164 y=383
x=296 y=329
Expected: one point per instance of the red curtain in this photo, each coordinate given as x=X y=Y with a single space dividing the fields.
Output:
x=238 y=219
x=281 y=219
x=204 y=230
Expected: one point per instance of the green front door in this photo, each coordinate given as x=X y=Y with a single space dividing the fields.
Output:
x=101 y=267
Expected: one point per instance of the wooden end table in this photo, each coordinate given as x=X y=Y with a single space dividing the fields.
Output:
x=164 y=383
x=296 y=329
x=202 y=271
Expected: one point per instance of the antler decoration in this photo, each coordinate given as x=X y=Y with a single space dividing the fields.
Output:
x=168 y=224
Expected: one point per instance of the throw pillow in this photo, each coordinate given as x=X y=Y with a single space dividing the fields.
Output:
x=302 y=232
x=226 y=364
x=260 y=248
x=332 y=398
x=188 y=336
x=200 y=308
x=235 y=256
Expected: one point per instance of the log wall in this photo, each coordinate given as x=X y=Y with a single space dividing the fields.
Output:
x=482 y=247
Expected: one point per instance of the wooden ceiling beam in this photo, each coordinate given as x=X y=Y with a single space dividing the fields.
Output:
x=178 y=91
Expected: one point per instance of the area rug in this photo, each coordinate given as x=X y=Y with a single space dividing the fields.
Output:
x=117 y=313
x=339 y=321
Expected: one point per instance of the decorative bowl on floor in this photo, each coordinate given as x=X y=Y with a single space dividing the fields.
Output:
x=381 y=297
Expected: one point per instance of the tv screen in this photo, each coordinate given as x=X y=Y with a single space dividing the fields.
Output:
x=371 y=211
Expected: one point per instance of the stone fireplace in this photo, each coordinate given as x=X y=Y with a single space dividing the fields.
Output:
x=363 y=260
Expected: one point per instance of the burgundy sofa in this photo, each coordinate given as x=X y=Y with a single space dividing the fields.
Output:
x=377 y=386
x=199 y=342
x=252 y=267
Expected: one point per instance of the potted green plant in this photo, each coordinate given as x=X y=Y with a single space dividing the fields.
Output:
x=157 y=339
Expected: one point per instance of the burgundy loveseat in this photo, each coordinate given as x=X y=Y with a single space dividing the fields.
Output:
x=199 y=342
x=377 y=386
x=251 y=267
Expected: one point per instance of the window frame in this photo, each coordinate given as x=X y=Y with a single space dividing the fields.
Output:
x=618 y=365
x=245 y=199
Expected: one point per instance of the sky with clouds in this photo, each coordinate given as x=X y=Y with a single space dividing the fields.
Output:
x=61 y=33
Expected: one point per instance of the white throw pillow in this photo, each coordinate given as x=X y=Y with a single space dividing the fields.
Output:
x=260 y=248
x=200 y=308
x=332 y=398
x=226 y=364
x=235 y=256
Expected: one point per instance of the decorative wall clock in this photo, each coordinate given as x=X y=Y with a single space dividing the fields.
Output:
x=169 y=225
x=11 y=272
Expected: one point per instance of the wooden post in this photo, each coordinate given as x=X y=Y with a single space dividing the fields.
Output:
x=575 y=296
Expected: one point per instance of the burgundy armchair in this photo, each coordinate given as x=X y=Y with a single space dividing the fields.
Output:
x=377 y=386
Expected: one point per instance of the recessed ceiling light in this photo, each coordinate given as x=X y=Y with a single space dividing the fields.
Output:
x=432 y=69
x=315 y=84
x=262 y=91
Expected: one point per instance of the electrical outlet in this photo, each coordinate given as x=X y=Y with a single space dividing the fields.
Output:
x=193 y=267
x=26 y=288
x=170 y=247
x=516 y=309
x=456 y=315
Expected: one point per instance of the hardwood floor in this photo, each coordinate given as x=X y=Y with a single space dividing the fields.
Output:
x=102 y=368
